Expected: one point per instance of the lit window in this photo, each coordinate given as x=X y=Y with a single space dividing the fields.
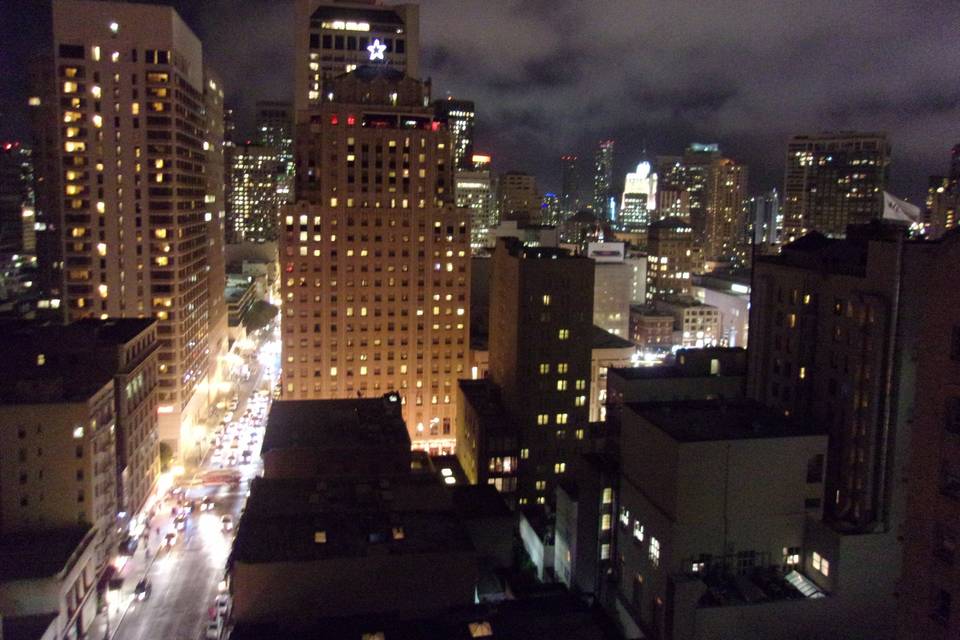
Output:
x=560 y=467
x=563 y=334
x=581 y=385
x=41 y=359
x=544 y=368
x=580 y=401
x=605 y=551
x=624 y=516
x=562 y=367
x=561 y=385
x=524 y=454
x=562 y=418
x=654 y=551
x=543 y=418
x=608 y=495
x=320 y=537
x=546 y=300
x=78 y=432
x=637 y=531
x=820 y=564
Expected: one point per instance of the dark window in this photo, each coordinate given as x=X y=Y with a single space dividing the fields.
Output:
x=351 y=42
x=315 y=40
x=389 y=44
x=945 y=544
x=133 y=56
x=163 y=57
x=941 y=606
x=327 y=42
x=401 y=46
x=955 y=344
x=952 y=417
x=71 y=51
x=811 y=503
x=815 y=469
x=79 y=451
x=338 y=42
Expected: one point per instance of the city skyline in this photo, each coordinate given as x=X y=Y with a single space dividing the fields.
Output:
x=747 y=77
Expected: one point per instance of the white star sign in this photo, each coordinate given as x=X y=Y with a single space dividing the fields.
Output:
x=376 y=49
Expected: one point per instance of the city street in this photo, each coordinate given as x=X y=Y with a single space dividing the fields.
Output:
x=184 y=578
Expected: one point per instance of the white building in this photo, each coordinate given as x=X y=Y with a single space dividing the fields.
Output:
x=639 y=198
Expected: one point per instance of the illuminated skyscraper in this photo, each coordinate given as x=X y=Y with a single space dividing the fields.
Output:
x=725 y=224
x=639 y=198
x=943 y=199
x=459 y=117
x=254 y=202
x=129 y=125
x=603 y=181
x=375 y=256
x=833 y=180
x=673 y=256
x=474 y=191
x=275 y=130
x=334 y=37
x=16 y=200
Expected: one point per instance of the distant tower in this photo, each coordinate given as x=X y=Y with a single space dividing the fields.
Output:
x=569 y=185
x=639 y=198
x=603 y=180
x=460 y=118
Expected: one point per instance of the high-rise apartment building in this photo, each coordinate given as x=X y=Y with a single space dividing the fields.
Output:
x=603 y=195
x=275 y=130
x=833 y=180
x=725 y=224
x=459 y=116
x=375 y=256
x=541 y=328
x=16 y=200
x=518 y=196
x=672 y=257
x=254 y=204
x=129 y=144
x=569 y=185
x=334 y=37
x=639 y=200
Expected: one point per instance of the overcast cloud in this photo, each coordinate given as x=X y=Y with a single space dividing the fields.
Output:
x=550 y=77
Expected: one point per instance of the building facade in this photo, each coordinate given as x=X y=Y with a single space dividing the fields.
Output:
x=639 y=201
x=673 y=256
x=569 y=185
x=275 y=130
x=518 y=197
x=375 y=257
x=255 y=200
x=833 y=180
x=474 y=191
x=460 y=117
x=130 y=229
x=603 y=194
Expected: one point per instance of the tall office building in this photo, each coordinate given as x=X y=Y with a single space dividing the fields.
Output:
x=725 y=226
x=518 y=197
x=603 y=181
x=334 y=37
x=275 y=130
x=639 y=200
x=673 y=199
x=254 y=203
x=833 y=180
x=672 y=257
x=129 y=146
x=569 y=185
x=459 y=116
x=376 y=256
x=474 y=191
x=541 y=328
x=16 y=200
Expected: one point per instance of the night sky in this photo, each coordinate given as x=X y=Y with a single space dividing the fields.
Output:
x=550 y=77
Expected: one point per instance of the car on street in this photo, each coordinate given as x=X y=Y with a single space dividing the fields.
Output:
x=213 y=630
x=169 y=541
x=180 y=522
x=226 y=523
x=142 y=590
x=223 y=604
x=207 y=504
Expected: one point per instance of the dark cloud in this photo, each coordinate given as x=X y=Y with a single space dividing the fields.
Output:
x=555 y=76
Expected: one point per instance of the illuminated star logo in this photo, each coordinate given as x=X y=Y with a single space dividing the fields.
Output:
x=376 y=49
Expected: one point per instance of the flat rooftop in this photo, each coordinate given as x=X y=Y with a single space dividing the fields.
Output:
x=306 y=520
x=550 y=616
x=362 y=423
x=31 y=555
x=712 y=420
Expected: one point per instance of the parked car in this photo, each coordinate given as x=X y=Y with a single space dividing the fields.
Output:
x=226 y=523
x=207 y=504
x=169 y=540
x=213 y=630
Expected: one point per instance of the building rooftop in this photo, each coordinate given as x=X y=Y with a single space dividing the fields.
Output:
x=363 y=423
x=555 y=615
x=649 y=311
x=603 y=339
x=306 y=520
x=38 y=554
x=710 y=420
